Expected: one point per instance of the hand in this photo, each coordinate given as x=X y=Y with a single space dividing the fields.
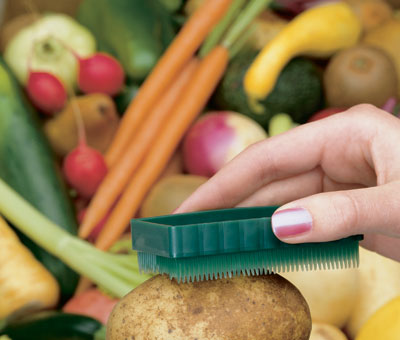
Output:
x=340 y=174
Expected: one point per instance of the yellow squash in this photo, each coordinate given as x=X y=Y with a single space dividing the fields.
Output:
x=384 y=324
x=25 y=284
x=319 y=32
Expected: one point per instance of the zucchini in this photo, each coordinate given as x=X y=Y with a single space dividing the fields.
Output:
x=27 y=165
x=52 y=326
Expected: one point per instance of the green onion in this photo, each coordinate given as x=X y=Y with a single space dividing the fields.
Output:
x=116 y=273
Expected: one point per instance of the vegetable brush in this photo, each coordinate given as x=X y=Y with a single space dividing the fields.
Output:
x=223 y=243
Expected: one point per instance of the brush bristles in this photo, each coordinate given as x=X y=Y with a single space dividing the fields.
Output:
x=310 y=257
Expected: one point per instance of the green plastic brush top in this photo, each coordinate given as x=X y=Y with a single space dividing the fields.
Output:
x=228 y=242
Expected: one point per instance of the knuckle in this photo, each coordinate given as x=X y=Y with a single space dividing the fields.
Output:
x=364 y=109
x=346 y=211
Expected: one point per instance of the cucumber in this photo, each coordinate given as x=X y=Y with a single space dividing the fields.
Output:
x=27 y=165
x=53 y=326
x=136 y=32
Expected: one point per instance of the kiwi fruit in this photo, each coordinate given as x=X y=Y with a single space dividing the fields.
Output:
x=360 y=74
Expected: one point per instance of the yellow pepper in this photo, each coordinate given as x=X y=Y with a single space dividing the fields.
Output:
x=319 y=31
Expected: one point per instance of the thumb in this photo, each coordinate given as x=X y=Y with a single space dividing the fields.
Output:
x=334 y=215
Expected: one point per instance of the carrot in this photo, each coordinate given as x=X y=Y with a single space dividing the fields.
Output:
x=115 y=181
x=175 y=57
x=193 y=99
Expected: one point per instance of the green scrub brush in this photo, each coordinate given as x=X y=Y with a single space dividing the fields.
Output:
x=224 y=243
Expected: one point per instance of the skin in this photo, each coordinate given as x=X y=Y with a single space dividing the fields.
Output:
x=344 y=170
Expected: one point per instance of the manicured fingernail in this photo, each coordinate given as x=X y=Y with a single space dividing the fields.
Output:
x=291 y=222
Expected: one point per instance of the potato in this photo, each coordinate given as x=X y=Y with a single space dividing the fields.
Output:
x=241 y=308
x=331 y=294
x=379 y=283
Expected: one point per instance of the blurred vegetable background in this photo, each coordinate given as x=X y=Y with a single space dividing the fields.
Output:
x=111 y=110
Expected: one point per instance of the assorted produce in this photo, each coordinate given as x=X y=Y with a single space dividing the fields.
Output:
x=125 y=110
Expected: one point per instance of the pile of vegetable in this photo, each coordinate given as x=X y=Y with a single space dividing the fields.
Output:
x=105 y=120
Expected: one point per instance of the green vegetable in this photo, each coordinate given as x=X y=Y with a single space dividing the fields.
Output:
x=124 y=98
x=28 y=166
x=298 y=92
x=279 y=123
x=135 y=31
x=52 y=326
x=117 y=274
x=43 y=44
x=172 y=5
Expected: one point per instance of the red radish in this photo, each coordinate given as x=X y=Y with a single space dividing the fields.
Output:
x=325 y=113
x=390 y=105
x=216 y=138
x=93 y=303
x=46 y=92
x=84 y=169
x=100 y=73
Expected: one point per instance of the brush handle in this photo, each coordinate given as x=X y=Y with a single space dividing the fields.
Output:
x=207 y=233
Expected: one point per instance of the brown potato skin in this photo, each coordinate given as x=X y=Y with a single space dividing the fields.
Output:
x=241 y=308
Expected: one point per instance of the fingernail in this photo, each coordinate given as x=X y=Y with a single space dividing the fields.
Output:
x=291 y=222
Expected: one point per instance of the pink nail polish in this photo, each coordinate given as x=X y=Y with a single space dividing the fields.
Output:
x=291 y=222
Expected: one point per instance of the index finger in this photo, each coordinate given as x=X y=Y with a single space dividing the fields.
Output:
x=281 y=156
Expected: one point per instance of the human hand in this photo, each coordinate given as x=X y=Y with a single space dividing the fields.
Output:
x=340 y=175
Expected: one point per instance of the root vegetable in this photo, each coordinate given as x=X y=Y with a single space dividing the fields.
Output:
x=168 y=193
x=216 y=138
x=84 y=169
x=331 y=294
x=100 y=73
x=261 y=307
x=24 y=283
x=46 y=92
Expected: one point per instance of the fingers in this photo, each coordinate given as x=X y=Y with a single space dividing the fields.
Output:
x=275 y=158
x=283 y=191
x=384 y=245
x=334 y=215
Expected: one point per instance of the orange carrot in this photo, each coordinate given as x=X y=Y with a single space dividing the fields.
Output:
x=116 y=180
x=193 y=100
x=182 y=48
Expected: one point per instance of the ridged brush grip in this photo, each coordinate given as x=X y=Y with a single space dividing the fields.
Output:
x=213 y=232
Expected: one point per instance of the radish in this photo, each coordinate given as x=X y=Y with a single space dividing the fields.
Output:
x=84 y=167
x=93 y=303
x=216 y=138
x=325 y=113
x=46 y=92
x=100 y=73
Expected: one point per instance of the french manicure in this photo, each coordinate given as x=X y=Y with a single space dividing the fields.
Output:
x=291 y=222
